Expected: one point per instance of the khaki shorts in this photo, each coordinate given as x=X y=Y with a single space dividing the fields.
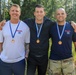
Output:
x=62 y=67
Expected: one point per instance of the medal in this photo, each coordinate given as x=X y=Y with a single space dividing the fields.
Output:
x=59 y=42
x=37 y=41
x=38 y=32
x=60 y=36
x=13 y=40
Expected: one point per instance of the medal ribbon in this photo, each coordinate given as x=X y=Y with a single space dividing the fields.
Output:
x=38 y=32
x=13 y=35
x=60 y=36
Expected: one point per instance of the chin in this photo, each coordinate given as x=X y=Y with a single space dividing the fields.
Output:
x=60 y=20
x=40 y=19
x=15 y=18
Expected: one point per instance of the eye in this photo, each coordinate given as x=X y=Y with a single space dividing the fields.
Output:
x=41 y=11
x=12 y=10
x=58 y=13
x=62 y=13
x=37 y=11
x=17 y=11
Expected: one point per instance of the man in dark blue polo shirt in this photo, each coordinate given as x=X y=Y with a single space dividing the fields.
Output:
x=62 y=34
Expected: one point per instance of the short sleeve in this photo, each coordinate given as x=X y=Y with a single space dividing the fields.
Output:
x=27 y=36
x=1 y=36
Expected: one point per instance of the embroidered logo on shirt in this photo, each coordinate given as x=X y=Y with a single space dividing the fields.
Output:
x=67 y=31
x=19 y=31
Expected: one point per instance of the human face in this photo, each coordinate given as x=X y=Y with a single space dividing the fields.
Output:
x=60 y=15
x=14 y=13
x=39 y=14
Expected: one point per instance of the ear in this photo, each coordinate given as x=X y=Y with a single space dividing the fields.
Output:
x=66 y=15
x=34 y=13
x=20 y=13
x=9 y=12
x=55 y=15
x=44 y=13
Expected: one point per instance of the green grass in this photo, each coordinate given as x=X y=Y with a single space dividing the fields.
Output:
x=73 y=52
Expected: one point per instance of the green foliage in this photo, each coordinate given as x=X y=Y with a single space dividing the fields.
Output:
x=16 y=1
x=27 y=7
x=73 y=52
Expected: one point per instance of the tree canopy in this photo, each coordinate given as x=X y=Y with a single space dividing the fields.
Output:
x=27 y=7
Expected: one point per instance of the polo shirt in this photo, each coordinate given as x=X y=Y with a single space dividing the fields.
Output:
x=39 y=49
x=63 y=51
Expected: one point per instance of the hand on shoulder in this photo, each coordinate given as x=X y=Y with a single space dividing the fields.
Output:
x=2 y=23
x=73 y=25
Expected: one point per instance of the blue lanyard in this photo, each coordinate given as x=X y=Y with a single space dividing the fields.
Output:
x=38 y=32
x=60 y=36
x=13 y=35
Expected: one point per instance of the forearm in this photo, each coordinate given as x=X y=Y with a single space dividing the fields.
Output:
x=2 y=24
x=73 y=25
x=0 y=27
x=27 y=50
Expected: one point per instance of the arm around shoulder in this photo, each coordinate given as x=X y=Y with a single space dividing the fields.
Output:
x=2 y=24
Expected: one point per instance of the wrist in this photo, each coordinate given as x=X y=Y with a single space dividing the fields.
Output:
x=0 y=28
x=26 y=56
x=74 y=30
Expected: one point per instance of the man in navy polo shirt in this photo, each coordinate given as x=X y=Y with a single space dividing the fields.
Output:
x=62 y=34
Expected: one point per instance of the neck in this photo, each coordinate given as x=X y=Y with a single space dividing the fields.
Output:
x=39 y=21
x=61 y=23
x=14 y=21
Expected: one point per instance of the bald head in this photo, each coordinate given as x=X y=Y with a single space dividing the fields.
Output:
x=60 y=15
x=61 y=9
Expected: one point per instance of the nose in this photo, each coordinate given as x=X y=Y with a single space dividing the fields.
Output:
x=15 y=12
x=39 y=13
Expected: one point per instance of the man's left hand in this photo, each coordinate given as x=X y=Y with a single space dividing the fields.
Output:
x=73 y=25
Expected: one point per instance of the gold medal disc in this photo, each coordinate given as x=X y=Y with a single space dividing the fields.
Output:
x=13 y=40
x=38 y=41
x=60 y=42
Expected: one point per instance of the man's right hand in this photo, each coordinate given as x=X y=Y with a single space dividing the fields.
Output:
x=2 y=23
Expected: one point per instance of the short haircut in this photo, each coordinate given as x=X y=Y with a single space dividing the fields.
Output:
x=39 y=6
x=15 y=5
